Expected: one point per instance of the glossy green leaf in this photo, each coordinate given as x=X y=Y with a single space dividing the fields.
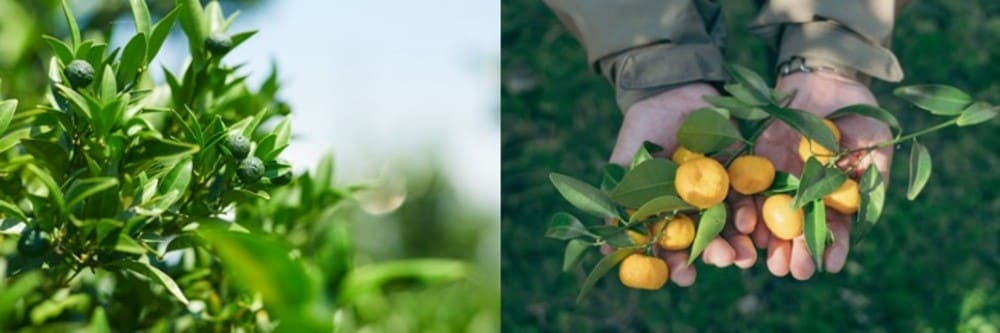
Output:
x=126 y=244
x=736 y=107
x=17 y=289
x=77 y=101
x=240 y=37
x=613 y=174
x=99 y=321
x=55 y=158
x=817 y=181
x=651 y=179
x=744 y=94
x=55 y=193
x=12 y=138
x=282 y=134
x=60 y=49
x=920 y=169
x=603 y=267
x=815 y=230
x=783 y=183
x=644 y=153
x=140 y=14
x=133 y=59
x=374 y=277
x=179 y=177
x=84 y=188
x=575 y=249
x=583 y=196
x=74 y=29
x=709 y=225
x=663 y=204
x=159 y=34
x=564 y=226
x=156 y=275
x=213 y=15
x=807 y=124
x=872 y=192
x=870 y=111
x=706 y=131
x=192 y=22
x=12 y=211
x=760 y=90
x=157 y=148
x=938 y=99
x=7 y=109
x=109 y=86
x=977 y=113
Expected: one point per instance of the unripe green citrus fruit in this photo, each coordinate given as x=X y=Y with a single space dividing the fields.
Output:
x=218 y=43
x=238 y=145
x=250 y=169
x=79 y=73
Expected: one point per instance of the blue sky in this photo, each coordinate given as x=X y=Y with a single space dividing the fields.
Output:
x=382 y=83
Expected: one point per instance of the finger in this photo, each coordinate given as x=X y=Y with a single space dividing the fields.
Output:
x=778 y=252
x=745 y=214
x=761 y=234
x=836 y=255
x=746 y=255
x=801 y=264
x=719 y=253
x=681 y=273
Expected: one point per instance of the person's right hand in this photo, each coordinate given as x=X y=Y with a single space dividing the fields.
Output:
x=657 y=119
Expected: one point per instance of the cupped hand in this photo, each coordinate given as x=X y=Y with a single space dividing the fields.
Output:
x=820 y=94
x=657 y=119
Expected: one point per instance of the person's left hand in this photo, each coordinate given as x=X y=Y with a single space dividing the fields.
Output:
x=820 y=94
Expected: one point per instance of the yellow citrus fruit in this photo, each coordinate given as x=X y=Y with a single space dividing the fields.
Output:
x=637 y=237
x=751 y=174
x=640 y=271
x=682 y=155
x=845 y=199
x=783 y=221
x=702 y=182
x=809 y=148
x=678 y=235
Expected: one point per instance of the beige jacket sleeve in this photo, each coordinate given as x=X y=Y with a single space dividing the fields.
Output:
x=644 y=47
x=853 y=35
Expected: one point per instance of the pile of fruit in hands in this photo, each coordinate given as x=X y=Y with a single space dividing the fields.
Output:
x=654 y=202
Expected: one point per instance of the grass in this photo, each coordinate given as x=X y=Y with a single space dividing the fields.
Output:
x=930 y=265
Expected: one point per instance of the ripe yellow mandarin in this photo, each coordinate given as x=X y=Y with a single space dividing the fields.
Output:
x=679 y=233
x=682 y=155
x=637 y=237
x=845 y=199
x=751 y=174
x=702 y=182
x=809 y=148
x=640 y=271
x=783 y=221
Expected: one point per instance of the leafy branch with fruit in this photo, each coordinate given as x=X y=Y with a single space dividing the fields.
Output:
x=652 y=203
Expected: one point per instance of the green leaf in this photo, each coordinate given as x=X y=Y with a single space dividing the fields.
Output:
x=872 y=192
x=74 y=29
x=155 y=274
x=574 y=252
x=736 y=107
x=603 y=267
x=709 y=225
x=11 y=210
x=938 y=99
x=870 y=111
x=807 y=124
x=77 y=101
x=213 y=14
x=99 y=321
x=11 y=139
x=133 y=59
x=60 y=49
x=663 y=204
x=157 y=148
x=55 y=193
x=19 y=288
x=759 y=89
x=707 y=131
x=140 y=14
x=974 y=114
x=240 y=37
x=564 y=226
x=920 y=169
x=375 y=277
x=815 y=230
x=178 y=179
x=192 y=22
x=817 y=181
x=126 y=244
x=84 y=188
x=644 y=153
x=648 y=180
x=282 y=134
x=159 y=34
x=53 y=155
x=583 y=196
x=7 y=109
x=613 y=174
x=783 y=182
x=109 y=87
x=744 y=94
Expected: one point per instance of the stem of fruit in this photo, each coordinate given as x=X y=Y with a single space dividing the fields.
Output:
x=901 y=138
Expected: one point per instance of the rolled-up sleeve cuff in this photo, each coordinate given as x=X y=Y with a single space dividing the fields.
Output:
x=647 y=71
x=830 y=43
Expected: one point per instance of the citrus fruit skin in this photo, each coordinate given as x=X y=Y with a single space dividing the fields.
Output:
x=238 y=145
x=751 y=174
x=637 y=237
x=79 y=73
x=250 y=169
x=809 y=148
x=33 y=242
x=679 y=233
x=682 y=155
x=640 y=271
x=218 y=43
x=845 y=199
x=702 y=182
x=783 y=221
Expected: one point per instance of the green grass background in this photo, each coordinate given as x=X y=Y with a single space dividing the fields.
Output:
x=930 y=265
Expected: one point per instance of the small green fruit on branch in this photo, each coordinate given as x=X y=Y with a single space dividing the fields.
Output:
x=250 y=170
x=79 y=73
x=218 y=43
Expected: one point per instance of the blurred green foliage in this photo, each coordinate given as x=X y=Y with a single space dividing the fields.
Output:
x=929 y=265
